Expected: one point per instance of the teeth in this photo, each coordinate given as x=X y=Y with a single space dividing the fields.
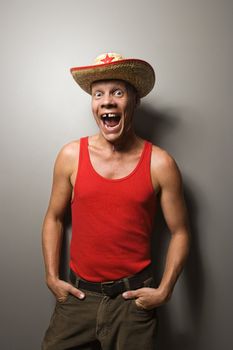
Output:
x=109 y=115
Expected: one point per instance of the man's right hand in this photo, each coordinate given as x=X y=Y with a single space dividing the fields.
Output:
x=62 y=289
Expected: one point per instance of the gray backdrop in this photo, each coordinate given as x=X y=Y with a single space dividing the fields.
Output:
x=189 y=113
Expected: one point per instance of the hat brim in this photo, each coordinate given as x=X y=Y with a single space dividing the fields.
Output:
x=136 y=72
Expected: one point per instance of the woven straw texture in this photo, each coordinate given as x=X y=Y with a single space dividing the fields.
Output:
x=136 y=72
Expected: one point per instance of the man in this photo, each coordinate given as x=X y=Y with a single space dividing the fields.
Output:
x=112 y=180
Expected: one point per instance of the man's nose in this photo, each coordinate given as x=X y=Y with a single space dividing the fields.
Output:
x=108 y=102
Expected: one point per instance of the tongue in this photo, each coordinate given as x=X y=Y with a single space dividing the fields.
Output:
x=111 y=122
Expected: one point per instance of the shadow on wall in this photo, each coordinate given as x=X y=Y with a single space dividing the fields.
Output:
x=155 y=126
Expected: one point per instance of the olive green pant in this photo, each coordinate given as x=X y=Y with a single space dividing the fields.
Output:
x=100 y=322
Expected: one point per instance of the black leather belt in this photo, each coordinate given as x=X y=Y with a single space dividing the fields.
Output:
x=113 y=288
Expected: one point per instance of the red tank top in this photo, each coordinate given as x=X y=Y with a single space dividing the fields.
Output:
x=111 y=220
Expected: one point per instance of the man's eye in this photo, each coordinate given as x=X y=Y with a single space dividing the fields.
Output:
x=97 y=94
x=118 y=92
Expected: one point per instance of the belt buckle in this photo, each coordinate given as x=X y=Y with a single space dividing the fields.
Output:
x=106 y=288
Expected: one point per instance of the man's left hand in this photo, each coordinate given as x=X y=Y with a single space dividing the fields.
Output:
x=146 y=298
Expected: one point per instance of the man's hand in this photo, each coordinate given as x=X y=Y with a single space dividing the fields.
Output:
x=146 y=298
x=62 y=289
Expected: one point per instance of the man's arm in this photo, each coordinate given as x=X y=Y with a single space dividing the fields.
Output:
x=167 y=175
x=53 y=223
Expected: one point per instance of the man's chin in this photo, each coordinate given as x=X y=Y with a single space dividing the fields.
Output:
x=112 y=137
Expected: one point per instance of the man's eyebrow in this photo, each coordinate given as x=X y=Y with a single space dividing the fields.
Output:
x=96 y=89
x=119 y=87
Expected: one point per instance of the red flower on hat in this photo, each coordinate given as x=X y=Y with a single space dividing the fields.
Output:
x=107 y=59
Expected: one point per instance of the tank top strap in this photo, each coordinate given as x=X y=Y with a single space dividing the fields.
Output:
x=83 y=152
x=84 y=145
x=148 y=150
x=144 y=169
x=145 y=160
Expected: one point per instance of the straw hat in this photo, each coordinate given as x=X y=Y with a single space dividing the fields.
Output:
x=109 y=66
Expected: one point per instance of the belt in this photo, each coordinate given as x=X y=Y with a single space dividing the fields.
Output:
x=113 y=288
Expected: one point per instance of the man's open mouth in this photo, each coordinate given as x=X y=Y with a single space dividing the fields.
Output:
x=110 y=120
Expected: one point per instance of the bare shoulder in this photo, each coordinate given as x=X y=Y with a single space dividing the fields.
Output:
x=67 y=157
x=164 y=168
x=69 y=150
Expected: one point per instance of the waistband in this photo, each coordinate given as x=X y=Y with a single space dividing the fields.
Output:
x=113 y=288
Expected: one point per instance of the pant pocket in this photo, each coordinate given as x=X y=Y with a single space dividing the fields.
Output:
x=149 y=282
